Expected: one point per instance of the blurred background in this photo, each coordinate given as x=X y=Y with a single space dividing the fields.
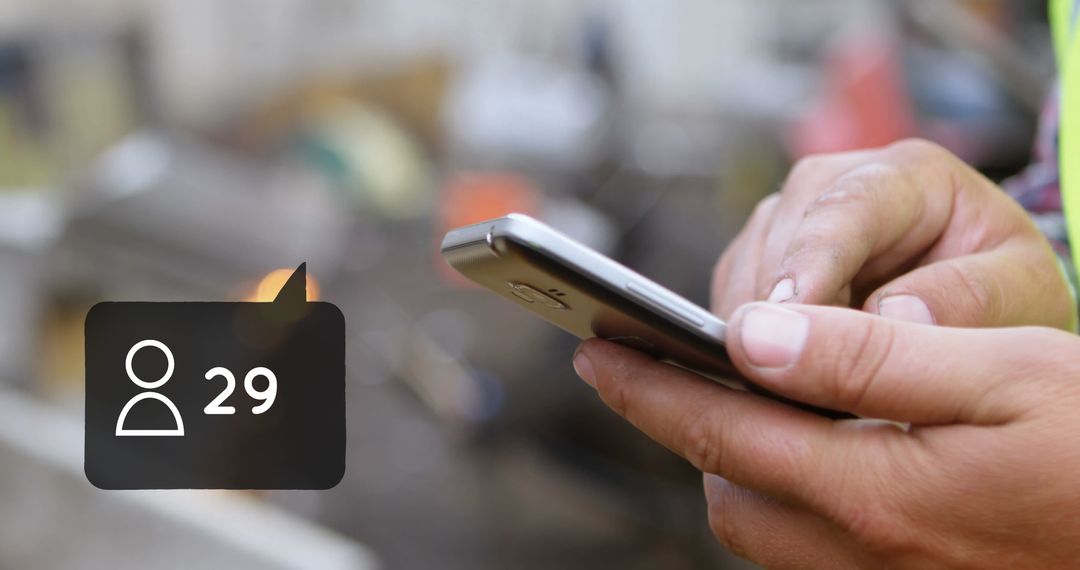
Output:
x=187 y=150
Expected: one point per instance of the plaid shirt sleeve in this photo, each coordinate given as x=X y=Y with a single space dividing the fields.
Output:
x=1038 y=189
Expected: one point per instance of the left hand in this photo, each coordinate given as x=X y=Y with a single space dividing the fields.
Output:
x=986 y=476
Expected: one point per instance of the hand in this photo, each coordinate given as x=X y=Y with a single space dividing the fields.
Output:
x=987 y=474
x=909 y=232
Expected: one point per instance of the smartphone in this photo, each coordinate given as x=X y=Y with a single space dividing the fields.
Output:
x=590 y=295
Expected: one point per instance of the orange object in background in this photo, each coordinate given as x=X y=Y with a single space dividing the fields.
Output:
x=474 y=197
x=866 y=104
x=270 y=285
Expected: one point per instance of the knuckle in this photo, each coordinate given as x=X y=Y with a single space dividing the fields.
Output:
x=859 y=361
x=879 y=526
x=726 y=524
x=879 y=514
x=808 y=173
x=821 y=250
x=701 y=445
x=809 y=164
x=853 y=196
x=726 y=528
x=917 y=147
x=976 y=292
x=766 y=206
x=850 y=191
x=816 y=247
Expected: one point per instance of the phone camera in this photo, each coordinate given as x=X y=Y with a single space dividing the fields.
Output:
x=530 y=294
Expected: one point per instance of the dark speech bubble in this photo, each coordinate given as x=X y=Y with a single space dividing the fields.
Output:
x=216 y=395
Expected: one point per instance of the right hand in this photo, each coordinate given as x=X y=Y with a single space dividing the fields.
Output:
x=908 y=231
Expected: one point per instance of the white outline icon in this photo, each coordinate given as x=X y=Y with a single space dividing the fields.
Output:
x=120 y=429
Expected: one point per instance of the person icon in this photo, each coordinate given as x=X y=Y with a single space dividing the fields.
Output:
x=120 y=429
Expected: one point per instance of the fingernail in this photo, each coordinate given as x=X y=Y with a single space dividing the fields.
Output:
x=772 y=336
x=905 y=308
x=716 y=486
x=584 y=369
x=783 y=291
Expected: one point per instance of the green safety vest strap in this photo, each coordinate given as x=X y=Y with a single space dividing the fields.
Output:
x=1068 y=57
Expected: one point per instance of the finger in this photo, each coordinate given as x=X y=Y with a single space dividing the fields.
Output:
x=974 y=290
x=733 y=281
x=754 y=442
x=849 y=360
x=770 y=533
x=808 y=178
x=873 y=210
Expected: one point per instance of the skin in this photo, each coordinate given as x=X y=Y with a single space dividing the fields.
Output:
x=908 y=221
x=975 y=458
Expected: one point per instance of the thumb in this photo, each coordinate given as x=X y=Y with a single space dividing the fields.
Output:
x=881 y=368
x=974 y=291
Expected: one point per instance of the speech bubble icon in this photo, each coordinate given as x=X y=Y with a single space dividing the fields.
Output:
x=216 y=395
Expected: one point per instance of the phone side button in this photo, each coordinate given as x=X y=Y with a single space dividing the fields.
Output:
x=652 y=298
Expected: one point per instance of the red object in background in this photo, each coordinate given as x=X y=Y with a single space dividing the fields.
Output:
x=866 y=104
x=474 y=197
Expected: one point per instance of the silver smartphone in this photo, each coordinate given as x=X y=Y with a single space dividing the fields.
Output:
x=585 y=293
x=590 y=295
